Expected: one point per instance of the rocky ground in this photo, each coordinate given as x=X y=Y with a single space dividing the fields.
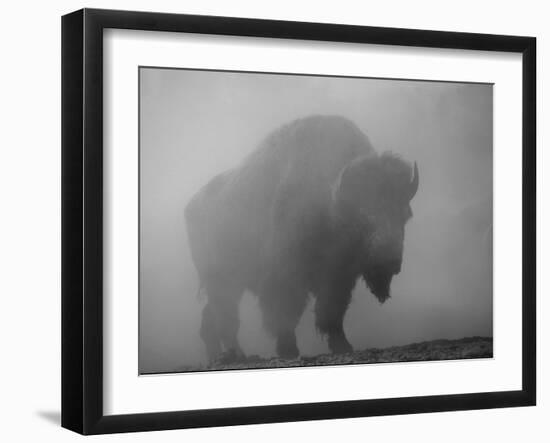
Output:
x=464 y=348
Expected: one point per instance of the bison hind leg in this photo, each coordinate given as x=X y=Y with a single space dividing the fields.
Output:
x=220 y=323
x=338 y=343
x=210 y=333
x=286 y=345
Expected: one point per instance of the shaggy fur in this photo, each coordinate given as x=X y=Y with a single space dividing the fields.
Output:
x=311 y=210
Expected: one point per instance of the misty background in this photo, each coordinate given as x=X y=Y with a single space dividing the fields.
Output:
x=195 y=124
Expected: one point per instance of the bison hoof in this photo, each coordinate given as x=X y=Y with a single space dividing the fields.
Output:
x=286 y=347
x=231 y=356
x=339 y=344
x=288 y=353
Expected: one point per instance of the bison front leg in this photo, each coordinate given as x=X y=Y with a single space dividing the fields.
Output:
x=330 y=308
x=282 y=305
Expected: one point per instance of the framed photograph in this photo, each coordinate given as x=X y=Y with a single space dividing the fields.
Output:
x=269 y=221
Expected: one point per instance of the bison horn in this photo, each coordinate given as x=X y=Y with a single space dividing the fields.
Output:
x=414 y=182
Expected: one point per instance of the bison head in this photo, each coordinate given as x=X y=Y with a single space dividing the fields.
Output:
x=372 y=197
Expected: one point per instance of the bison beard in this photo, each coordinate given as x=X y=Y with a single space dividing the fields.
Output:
x=378 y=281
x=297 y=217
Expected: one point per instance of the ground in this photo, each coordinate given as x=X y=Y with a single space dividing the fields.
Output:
x=464 y=348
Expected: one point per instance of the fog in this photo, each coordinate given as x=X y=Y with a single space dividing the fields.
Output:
x=195 y=124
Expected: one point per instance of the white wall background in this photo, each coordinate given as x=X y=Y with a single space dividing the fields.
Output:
x=30 y=223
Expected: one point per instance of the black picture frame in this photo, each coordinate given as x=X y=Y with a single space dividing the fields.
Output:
x=82 y=220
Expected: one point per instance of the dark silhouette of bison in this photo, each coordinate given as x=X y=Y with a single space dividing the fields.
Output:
x=310 y=211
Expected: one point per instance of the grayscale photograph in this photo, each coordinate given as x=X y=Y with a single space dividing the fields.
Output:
x=292 y=220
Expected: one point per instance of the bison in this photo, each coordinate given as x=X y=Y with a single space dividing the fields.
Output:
x=309 y=212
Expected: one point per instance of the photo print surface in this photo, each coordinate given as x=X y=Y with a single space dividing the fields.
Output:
x=304 y=220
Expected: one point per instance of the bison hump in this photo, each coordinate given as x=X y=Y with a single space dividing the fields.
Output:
x=313 y=149
x=277 y=195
